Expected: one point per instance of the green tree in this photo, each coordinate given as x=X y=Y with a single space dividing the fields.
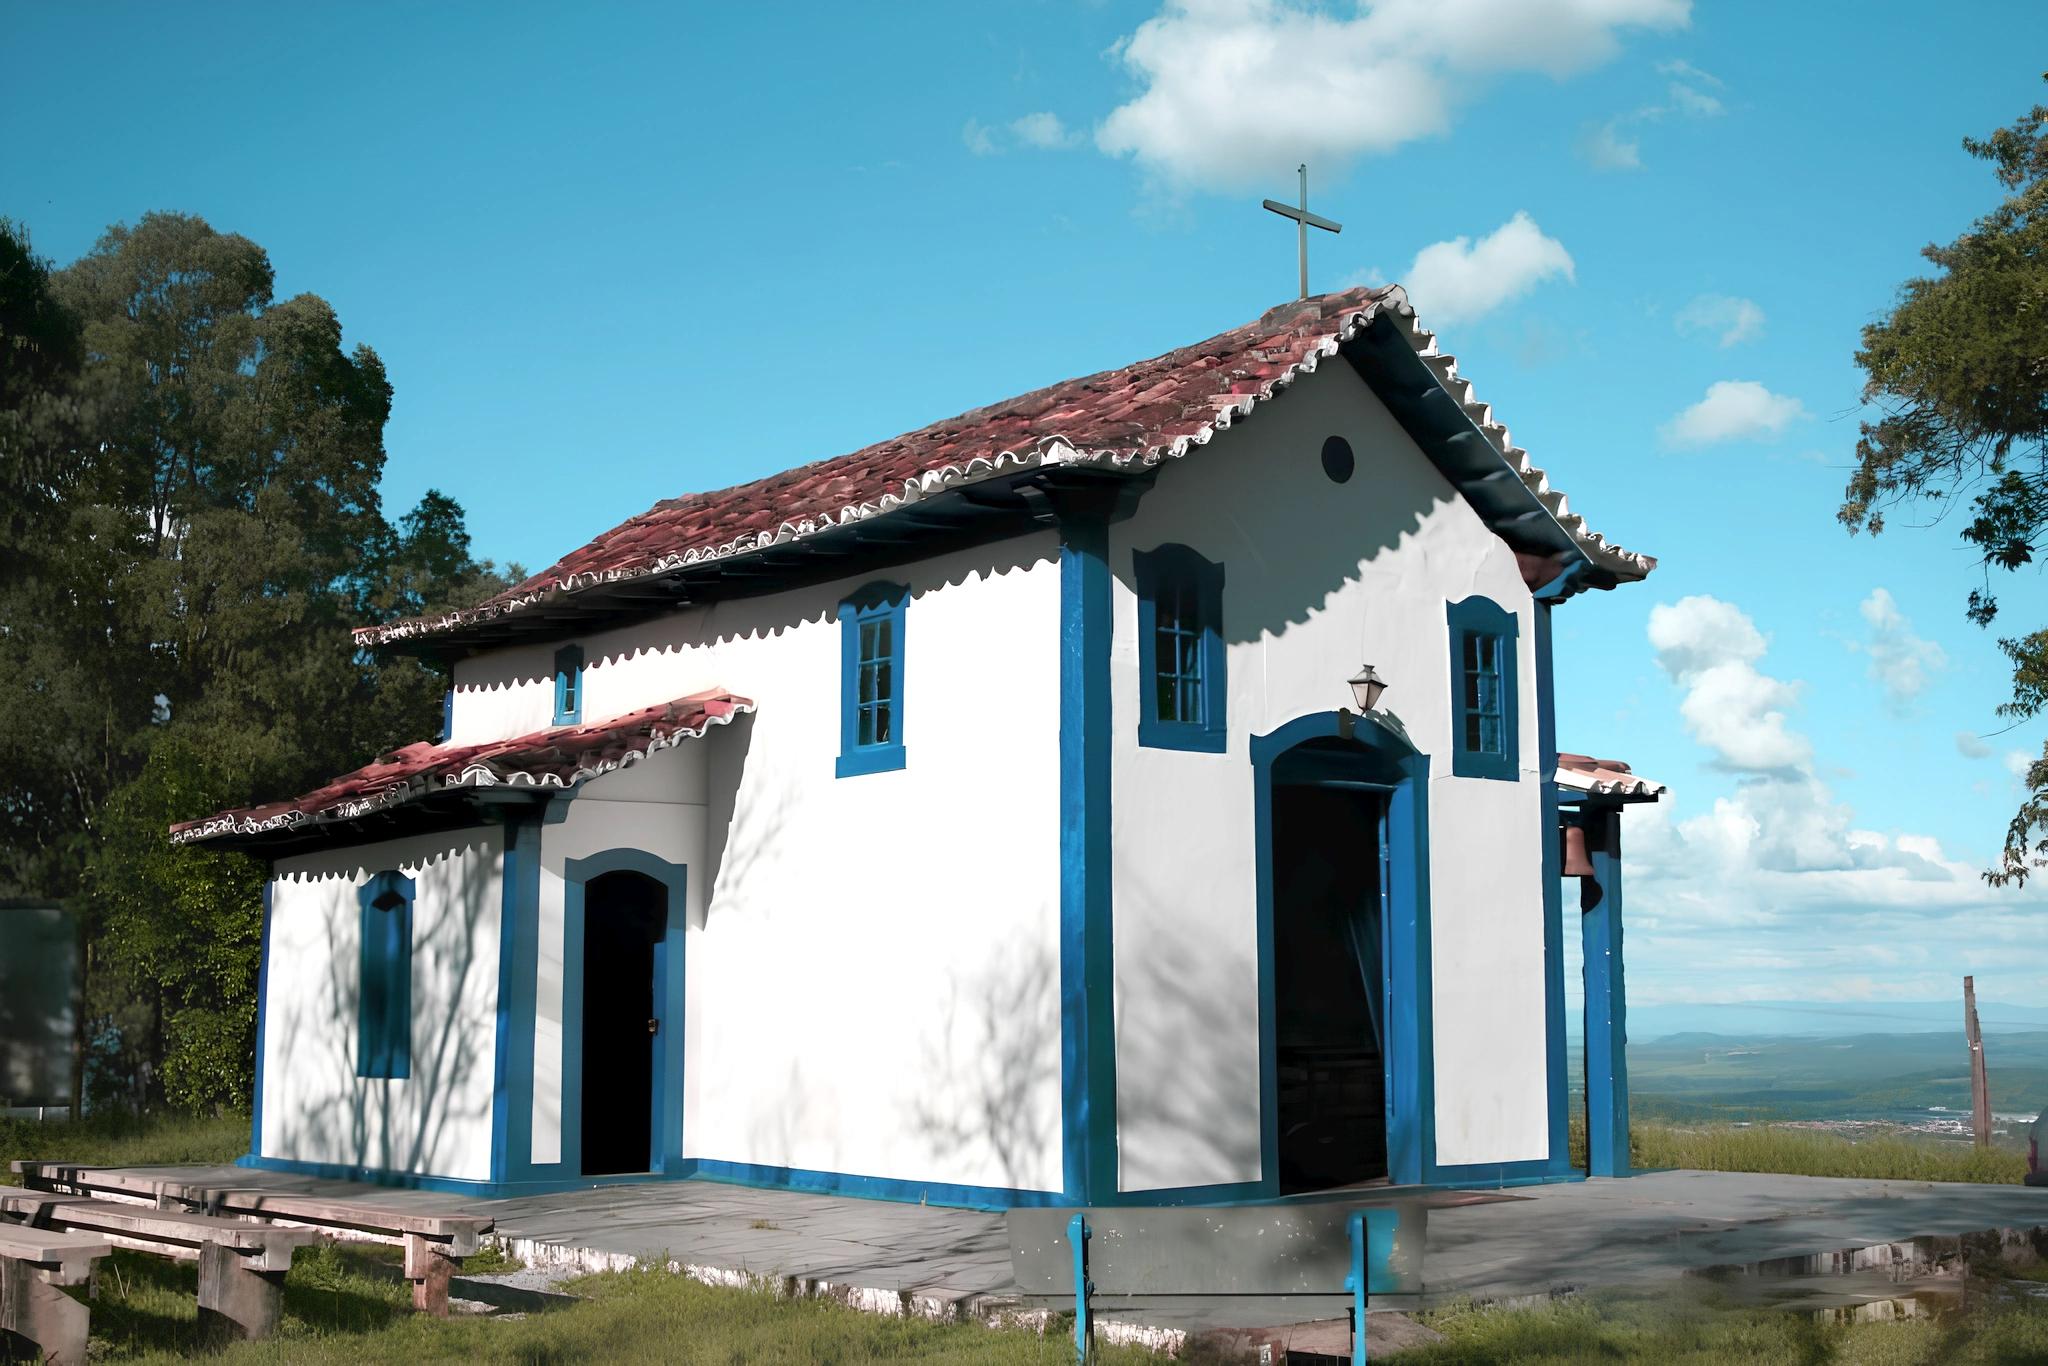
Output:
x=1958 y=372
x=212 y=529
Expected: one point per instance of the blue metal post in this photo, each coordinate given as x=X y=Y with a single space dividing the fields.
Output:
x=1077 y=1238
x=1355 y=1282
x=1606 y=1000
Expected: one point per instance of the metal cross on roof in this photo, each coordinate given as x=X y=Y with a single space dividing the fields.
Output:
x=1303 y=221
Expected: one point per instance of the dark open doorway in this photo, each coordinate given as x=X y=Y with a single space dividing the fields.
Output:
x=1328 y=890
x=624 y=917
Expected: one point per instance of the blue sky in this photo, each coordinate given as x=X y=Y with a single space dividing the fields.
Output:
x=615 y=255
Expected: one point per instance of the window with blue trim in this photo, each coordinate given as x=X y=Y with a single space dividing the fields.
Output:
x=568 y=685
x=1484 y=710
x=384 y=994
x=1181 y=669
x=871 y=679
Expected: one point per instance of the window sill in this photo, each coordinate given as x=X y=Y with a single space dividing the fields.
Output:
x=1189 y=738
x=872 y=759
x=1465 y=764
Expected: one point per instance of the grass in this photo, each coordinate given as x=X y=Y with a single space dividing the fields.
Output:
x=1694 y=1327
x=1803 y=1152
x=344 y=1306
x=123 y=1140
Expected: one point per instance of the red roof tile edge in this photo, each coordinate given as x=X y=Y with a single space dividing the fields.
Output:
x=560 y=757
x=1605 y=778
x=1340 y=317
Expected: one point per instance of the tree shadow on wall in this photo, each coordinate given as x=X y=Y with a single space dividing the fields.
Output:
x=1171 y=1090
x=986 y=1081
x=404 y=1124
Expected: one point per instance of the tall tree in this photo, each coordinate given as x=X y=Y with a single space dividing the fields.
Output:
x=1958 y=372
x=208 y=536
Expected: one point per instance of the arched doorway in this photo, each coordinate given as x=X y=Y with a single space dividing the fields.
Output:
x=1344 y=1015
x=1329 y=985
x=622 y=1094
x=623 y=922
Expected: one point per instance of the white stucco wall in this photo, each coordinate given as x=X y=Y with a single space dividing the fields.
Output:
x=315 y=1108
x=873 y=968
x=1319 y=578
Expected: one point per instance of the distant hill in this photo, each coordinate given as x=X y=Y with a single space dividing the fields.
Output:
x=1899 y=1077
x=1821 y=1019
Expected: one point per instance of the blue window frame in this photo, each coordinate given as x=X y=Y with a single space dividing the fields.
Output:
x=568 y=685
x=871 y=680
x=1484 y=706
x=384 y=994
x=1181 y=670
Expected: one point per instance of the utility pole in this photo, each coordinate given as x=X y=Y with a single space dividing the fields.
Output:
x=1980 y=1082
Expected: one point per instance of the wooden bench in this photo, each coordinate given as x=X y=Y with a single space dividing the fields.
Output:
x=434 y=1244
x=242 y=1264
x=34 y=1262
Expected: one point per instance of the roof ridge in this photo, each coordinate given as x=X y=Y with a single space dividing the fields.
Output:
x=1160 y=411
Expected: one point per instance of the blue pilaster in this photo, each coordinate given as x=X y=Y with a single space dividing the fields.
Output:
x=518 y=969
x=262 y=1015
x=1087 y=984
x=1606 y=1000
x=1554 y=1050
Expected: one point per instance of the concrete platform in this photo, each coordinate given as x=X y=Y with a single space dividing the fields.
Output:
x=943 y=1263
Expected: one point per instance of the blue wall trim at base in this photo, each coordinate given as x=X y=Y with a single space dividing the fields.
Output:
x=1480 y=1175
x=723 y=1173
x=869 y=1187
x=990 y=1198
x=338 y=1171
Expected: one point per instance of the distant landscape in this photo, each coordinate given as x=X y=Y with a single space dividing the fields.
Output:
x=1852 y=1069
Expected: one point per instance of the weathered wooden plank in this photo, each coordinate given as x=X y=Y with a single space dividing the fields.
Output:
x=33 y=1308
x=461 y=1232
x=169 y=1233
x=50 y=1248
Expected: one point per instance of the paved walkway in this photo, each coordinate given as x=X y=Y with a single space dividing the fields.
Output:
x=940 y=1261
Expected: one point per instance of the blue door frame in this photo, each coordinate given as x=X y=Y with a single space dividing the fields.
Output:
x=1354 y=749
x=665 y=1141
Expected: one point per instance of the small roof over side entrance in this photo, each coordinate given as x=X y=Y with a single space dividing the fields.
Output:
x=425 y=785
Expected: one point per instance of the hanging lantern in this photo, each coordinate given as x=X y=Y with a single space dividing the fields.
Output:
x=1366 y=687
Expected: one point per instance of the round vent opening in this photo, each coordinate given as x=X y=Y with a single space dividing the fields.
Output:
x=1338 y=462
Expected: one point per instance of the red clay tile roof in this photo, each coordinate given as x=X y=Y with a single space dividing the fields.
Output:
x=561 y=756
x=1606 y=778
x=1141 y=414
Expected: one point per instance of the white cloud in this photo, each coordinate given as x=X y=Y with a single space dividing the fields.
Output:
x=1971 y=745
x=1044 y=131
x=1695 y=103
x=980 y=139
x=1737 y=320
x=1773 y=889
x=1236 y=91
x=1710 y=648
x=1733 y=410
x=1609 y=149
x=2017 y=762
x=1678 y=69
x=1900 y=661
x=1461 y=279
